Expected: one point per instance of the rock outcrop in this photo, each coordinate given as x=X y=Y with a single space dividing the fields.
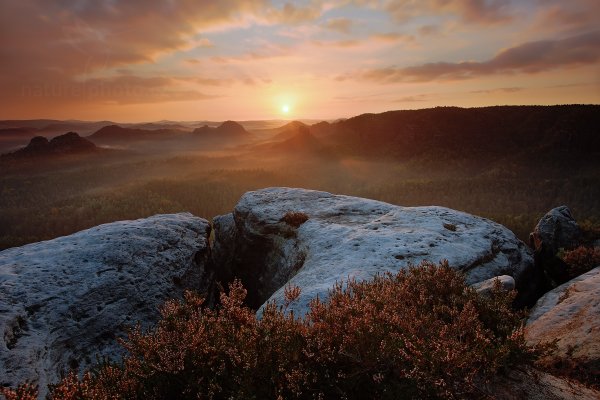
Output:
x=313 y=239
x=69 y=143
x=228 y=130
x=571 y=314
x=65 y=300
x=556 y=230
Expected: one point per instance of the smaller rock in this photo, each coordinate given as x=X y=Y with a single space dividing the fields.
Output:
x=485 y=288
x=556 y=230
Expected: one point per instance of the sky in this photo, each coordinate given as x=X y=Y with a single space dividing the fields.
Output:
x=150 y=60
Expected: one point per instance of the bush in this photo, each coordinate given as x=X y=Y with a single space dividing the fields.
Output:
x=421 y=333
x=294 y=219
x=580 y=260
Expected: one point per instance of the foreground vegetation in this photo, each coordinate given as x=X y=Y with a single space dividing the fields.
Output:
x=421 y=333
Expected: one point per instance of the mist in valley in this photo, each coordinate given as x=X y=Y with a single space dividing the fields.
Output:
x=136 y=172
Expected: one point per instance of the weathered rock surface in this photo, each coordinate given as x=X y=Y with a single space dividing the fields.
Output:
x=63 y=301
x=557 y=229
x=348 y=237
x=571 y=314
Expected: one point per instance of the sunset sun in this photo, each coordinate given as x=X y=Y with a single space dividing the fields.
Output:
x=285 y=108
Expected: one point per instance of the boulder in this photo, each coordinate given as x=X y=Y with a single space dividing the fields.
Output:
x=64 y=301
x=556 y=230
x=312 y=239
x=571 y=314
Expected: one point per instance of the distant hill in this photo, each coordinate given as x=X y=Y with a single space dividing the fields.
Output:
x=39 y=146
x=228 y=130
x=290 y=130
x=159 y=126
x=550 y=133
x=295 y=141
x=115 y=134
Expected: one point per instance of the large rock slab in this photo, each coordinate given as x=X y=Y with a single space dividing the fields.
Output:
x=571 y=314
x=348 y=237
x=63 y=301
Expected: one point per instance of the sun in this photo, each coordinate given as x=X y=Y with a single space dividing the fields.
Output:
x=285 y=108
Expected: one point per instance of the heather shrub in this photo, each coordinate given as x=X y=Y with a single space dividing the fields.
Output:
x=421 y=333
x=294 y=219
x=580 y=260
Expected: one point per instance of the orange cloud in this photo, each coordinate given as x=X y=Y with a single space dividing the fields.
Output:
x=342 y=25
x=116 y=90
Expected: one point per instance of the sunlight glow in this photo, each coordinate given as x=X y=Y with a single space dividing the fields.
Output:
x=285 y=108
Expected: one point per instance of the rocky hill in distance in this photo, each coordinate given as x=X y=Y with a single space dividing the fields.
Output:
x=67 y=144
x=115 y=134
x=227 y=131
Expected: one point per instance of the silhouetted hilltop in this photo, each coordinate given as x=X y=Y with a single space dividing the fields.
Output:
x=290 y=130
x=299 y=143
x=117 y=134
x=226 y=131
x=546 y=131
x=69 y=143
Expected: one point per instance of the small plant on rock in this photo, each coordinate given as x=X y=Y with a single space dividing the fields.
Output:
x=294 y=219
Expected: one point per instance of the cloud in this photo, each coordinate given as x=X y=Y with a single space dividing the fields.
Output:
x=498 y=90
x=206 y=81
x=112 y=90
x=470 y=11
x=531 y=57
x=417 y=98
x=94 y=35
x=291 y=14
x=342 y=25
x=368 y=42
x=393 y=37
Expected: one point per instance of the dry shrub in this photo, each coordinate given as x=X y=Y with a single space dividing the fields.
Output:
x=421 y=333
x=294 y=219
x=581 y=260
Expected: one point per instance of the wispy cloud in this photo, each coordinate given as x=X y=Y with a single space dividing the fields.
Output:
x=498 y=90
x=469 y=11
x=342 y=25
x=531 y=57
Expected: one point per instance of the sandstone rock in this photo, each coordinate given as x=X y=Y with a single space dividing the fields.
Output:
x=65 y=300
x=557 y=229
x=571 y=314
x=348 y=237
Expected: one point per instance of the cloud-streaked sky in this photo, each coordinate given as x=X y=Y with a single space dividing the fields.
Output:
x=140 y=60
